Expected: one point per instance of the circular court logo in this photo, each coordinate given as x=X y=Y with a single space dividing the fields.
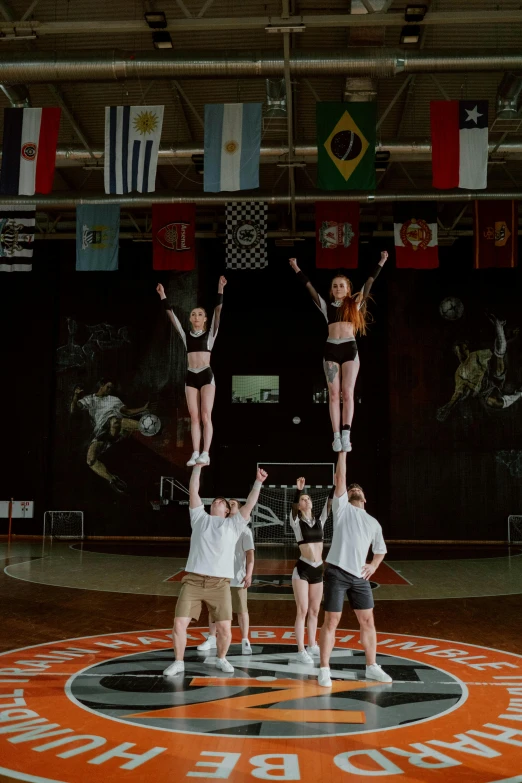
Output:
x=85 y=709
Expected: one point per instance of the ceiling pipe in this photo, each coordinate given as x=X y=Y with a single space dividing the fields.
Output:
x=115 y=65
x=181 y=153
x=140 y=201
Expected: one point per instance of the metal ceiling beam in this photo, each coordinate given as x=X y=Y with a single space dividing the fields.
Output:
x=75 y=125
x=193 y=23
x=417 y=150
x=140 y=201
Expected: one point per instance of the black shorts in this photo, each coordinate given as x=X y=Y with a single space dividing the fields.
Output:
x=199 y=379
x=308 y=573
x=341 y=353
x=338 y=582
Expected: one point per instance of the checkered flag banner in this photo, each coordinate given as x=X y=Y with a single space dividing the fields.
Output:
x=246 y=235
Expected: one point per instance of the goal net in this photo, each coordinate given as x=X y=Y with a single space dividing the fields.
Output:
x=271 y=516
x=63 y=524
x=515 y=529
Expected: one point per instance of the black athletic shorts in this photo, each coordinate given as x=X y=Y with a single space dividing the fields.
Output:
x=340 y=353
x=309 y=573
x=338 y=582
x=199 y=379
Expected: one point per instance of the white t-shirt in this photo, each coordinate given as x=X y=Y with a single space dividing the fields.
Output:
x=213 y=543
x=101 y=409
x=354 y=531
x=244 y=545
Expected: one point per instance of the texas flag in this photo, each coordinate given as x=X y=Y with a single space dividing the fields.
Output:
x=29 y=151
x=459 y=142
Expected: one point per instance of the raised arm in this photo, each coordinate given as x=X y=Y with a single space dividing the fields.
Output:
x=214 y=326
x=194 y=498
x=368 y=285
x=340 y=475
x=170 y=312
x=318 y=300
x=252 y=499
x=300 y=485
x=77 y=393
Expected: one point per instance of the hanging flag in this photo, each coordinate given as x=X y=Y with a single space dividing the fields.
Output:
x=246 y=235
x=97 y=237
x=496 y=234
x=336 y=234
x=232 y=146
x=174 y=236
x=132 y=139
x=459 y=143
x=16 y=238
x=415 y=229
x=346 y=145
x=29 y=151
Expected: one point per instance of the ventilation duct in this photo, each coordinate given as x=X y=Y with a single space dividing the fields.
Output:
x=509 y=96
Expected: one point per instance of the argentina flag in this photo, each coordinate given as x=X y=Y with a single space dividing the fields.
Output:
x=232 y=146
x=132 y=138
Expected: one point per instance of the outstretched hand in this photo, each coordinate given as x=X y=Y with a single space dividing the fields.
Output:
x=222 y=283
x=293 y=264
x=161 y=291
x=384 y=257
x=78 y=390
x=261 y=475
x=300 y=483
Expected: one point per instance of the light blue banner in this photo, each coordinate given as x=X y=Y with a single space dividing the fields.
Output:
x=97 y=237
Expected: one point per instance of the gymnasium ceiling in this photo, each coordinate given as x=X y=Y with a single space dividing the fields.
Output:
x=84 y=32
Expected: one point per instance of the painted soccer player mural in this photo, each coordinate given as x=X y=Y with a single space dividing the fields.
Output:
x=111 y=421
x=481 y=374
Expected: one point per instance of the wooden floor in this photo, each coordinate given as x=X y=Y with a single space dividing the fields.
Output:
x=36 y=614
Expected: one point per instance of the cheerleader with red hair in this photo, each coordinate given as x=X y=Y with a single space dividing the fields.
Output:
x=347 y=316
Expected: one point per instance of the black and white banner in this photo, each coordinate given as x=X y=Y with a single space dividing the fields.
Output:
x=246 y=235
x=17 y=226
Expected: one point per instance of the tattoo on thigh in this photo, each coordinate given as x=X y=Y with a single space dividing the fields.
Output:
x=331 y=369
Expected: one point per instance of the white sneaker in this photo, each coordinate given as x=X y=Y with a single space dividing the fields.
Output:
x=224 y=665
x=303 y=657
x=209 y=644
x=203 y=459
x=374 y=672
x=345 y=440
x=178 y=667
x=324 y=677
x=313 y=650
x=246 y=649
x=337 y=444
x=193 y=459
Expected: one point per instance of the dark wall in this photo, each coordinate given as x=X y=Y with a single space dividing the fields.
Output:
x=424 y=478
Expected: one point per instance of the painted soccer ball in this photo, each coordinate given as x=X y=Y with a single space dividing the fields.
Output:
x=451 y=308
x=149 y=424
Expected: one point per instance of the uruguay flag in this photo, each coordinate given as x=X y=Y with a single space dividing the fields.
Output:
x=29 y=151
x=232 y=146
x=132 y=139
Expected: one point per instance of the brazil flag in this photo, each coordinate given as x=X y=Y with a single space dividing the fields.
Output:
x=346 y=146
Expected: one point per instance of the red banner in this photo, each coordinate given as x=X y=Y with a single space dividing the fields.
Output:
x=336 y=234
x=174 y=236
x=496 y=234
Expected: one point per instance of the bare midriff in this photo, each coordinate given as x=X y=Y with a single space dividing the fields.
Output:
x=313 y=552
x=340 y=330
x=198 y=359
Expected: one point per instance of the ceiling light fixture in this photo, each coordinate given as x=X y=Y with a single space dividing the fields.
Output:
x=156 y=20
x=415 y=13
x=290 y=28
x=162 y=40
x=410 y=35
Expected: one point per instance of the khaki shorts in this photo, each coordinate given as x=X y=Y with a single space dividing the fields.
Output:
x=212 y=591
x=239 y=600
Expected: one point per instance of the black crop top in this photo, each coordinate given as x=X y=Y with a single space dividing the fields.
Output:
x=306 y=533
x=330 y=311
x=201 y=342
